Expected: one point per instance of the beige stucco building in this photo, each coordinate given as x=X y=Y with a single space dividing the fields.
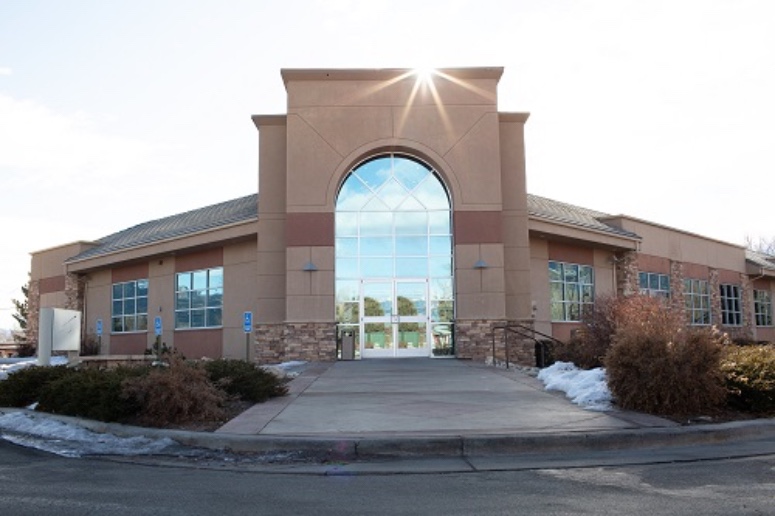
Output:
x=392 y=212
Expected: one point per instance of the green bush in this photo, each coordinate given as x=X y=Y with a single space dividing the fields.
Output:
x=177 y=393
x=23 y=387
x=656 y=365
x=750 y=377
x=91 y=393
x=244 y=380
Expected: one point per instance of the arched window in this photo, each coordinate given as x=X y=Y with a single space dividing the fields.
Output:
x=394 y=258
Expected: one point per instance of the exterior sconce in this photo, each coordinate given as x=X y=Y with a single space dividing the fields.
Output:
x=480 y=264
x=310 y=267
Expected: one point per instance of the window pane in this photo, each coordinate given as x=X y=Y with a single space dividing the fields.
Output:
x=441 y=245
x=347 y=312
x=411 y=223
x=347 y=246
x=571 y=273
x=587 y=294
x=664 y=282
x=441 y=288
x=197 y=318
x=215 y=278
x=215 y=298
x=643 y=280
x=142 y=287
x=142 y=322
x=182 y=319
x=574 y=312
x=118 y=291
x=413 y=268
x=198 y=299
x=142 y=305
x=118 y=308
x=129 y=323
x=129 y=289
x=377 y=267
x=441 y=265
x=442 y=311
x=199 y=280
x=376 y=224
x=346 y=224
x=412 y=246
x=346 y=268
x=585 y=274
x=184 y=281
x=214 y=317
x=439 y=222
x=654 y=281
x=572 y=292
x=377 y=246
x=555 y=271
x=182 y=301
x=129 y=306
x=117 y=324
x=557 y=291
x=558 y=313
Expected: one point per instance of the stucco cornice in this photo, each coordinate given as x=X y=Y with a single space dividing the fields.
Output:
x=513 y=117
x=380 y=74
x=267 y=120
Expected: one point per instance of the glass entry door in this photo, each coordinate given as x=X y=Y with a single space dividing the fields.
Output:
x=394 y=321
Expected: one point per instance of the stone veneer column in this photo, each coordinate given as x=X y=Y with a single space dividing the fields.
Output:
x=627 y=270
x=715 y=298
x=677 y=299
x=33 y=312
x=747 y=306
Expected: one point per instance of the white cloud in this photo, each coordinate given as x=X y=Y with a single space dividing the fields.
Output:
x=5 y=70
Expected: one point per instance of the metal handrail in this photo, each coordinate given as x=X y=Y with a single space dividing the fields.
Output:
x=522 y=330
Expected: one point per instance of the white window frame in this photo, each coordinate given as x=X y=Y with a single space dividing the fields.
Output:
x=574 y=295
x=697 y=302
x=762 y=303
x=134 y=307
x=731 y=305
x=647 y=281
x=196 y=301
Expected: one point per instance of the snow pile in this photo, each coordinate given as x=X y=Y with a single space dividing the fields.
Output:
x=9 y=365
x=286 y=370
x=587 y=389
x=68 y=440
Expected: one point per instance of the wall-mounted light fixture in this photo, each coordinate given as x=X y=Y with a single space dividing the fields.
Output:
x=310 y=267
x=480 y=264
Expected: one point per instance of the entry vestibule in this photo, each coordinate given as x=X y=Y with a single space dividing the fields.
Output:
x=394 y=271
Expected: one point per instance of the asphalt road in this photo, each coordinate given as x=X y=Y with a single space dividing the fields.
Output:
x=37 y=483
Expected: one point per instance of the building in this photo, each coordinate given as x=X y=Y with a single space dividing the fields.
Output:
x=391 y=210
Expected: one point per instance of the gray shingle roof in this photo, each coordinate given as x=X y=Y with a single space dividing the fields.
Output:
x=763 y=260
x=190 y=222
x=549 y=209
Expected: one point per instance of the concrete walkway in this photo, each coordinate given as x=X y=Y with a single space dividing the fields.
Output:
x=422 y=397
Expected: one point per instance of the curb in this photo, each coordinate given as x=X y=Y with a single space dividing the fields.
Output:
x=350 y=447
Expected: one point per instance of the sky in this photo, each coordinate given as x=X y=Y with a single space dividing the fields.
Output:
x=116 y=113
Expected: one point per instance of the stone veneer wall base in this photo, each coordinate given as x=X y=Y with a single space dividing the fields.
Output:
x=282 y=342
x=474 y=340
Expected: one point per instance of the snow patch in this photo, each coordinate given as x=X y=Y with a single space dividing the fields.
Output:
x=588 y=389
x=69 y=440
x=11 y=365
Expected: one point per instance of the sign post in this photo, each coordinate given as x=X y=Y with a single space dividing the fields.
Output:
x=247 y=327
x=98 y=328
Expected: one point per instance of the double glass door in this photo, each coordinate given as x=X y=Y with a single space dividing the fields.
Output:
x=394 y=318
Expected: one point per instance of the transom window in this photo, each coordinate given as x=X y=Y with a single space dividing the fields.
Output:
x=129 y=310
x=697 y=301
x=654 y=284
x=199 y=299
x=762 y=303
x=572 y=288
x=731 y=312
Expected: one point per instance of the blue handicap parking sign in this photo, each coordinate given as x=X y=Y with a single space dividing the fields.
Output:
x=247 y=325
x=157 y=325
x=99 y=327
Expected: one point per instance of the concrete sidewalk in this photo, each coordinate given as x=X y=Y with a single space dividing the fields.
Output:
x=422 y=397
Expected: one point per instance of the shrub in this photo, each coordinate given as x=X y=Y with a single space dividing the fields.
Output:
x=179 y=393
x=91 y=393
x=750 y=377
x=23 y=387
x=244 y=380
x=589 y=345
x=657 y=366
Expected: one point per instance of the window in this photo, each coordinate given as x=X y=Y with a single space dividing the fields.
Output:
x=697 y=299
x=762 y=306
x=129 y=310
x=655 y=285
x=731 y=313
x=572 y=287
x=199 y=299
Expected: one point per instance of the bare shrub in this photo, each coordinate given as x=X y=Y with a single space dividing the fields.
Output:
x=177 y=393
x=589 y=345
x=656 y=365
